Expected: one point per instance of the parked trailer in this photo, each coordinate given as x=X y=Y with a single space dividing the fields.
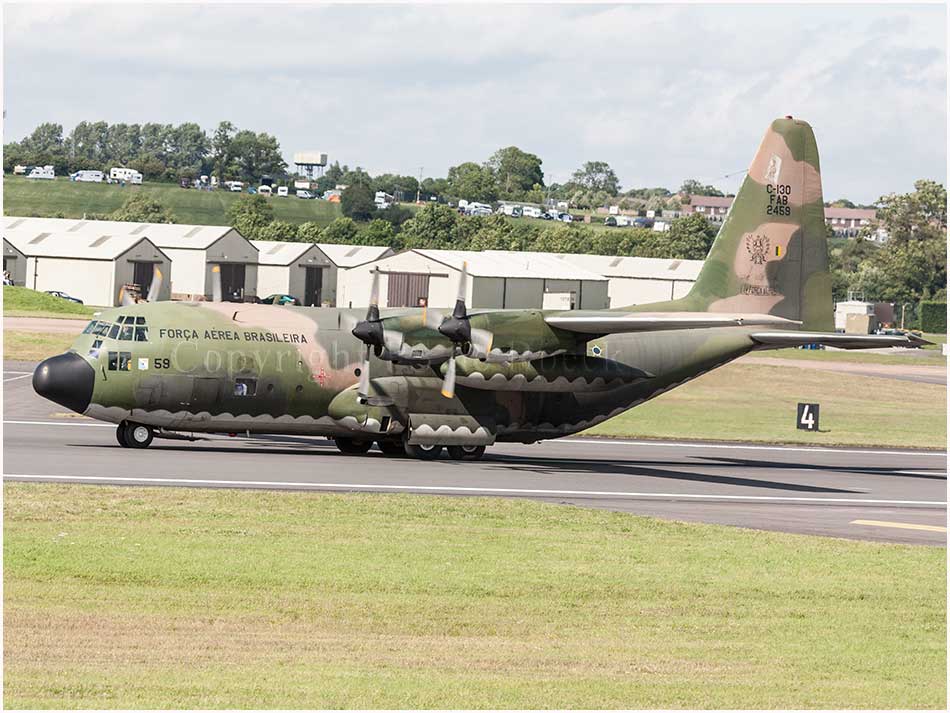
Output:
x=45 y=172
x=87 y=176
x=129 y=175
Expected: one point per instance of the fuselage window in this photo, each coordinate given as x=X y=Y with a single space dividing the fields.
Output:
x=120 y=361
x=245 y=387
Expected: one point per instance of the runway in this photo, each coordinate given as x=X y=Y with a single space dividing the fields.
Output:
x=886 y=495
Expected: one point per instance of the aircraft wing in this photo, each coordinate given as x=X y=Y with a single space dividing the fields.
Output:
x=597 y=323
x=778 y=340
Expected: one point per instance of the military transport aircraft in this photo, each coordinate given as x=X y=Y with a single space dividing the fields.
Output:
x=416 y=381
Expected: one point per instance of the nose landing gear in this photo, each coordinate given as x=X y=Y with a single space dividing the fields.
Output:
x=134 y=435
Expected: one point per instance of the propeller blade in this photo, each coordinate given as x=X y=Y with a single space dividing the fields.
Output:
x=432 y=318
x=363 y=388
x=463 y=282
x=216 y=283
x=156 y=286
x=125 y=299
x=374 y=293
x=448 y=383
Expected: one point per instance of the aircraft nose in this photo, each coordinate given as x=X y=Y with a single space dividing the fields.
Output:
x=66 y=379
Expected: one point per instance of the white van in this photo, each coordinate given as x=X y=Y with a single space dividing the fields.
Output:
x=234 y=186
x=478 y=209
x=264 y=190
x=283 y=191
x=85 y=176
x=129 y=175
x=44 y=172
x=19 y=170
x=529 y=211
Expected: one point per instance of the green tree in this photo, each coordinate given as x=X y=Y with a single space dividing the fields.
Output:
x=357 y=202
x=309 y=232
x=689 y=238
x=597 y=176
x=395 y=215
x=142 y=208
x=378 y=232
x=256 y=155
x=472 y=182
x=403 y=188
x=693 y=187
x=515 y=171
x=277 y=230
x=434 y=226
x=342 y=231
x=249 y=214
x=46 y=147
x=221 y=151
x=920 y=215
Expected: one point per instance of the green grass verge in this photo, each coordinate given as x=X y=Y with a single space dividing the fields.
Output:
x=34 y=346
x=23 y=302
x=50 y=198
x=181 y=598
x=920 y=357
x=753 y=402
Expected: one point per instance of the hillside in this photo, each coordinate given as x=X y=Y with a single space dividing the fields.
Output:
x=63 y=198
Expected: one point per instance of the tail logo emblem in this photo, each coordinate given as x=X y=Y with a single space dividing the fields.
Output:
x=757 y=281
x=773 y=170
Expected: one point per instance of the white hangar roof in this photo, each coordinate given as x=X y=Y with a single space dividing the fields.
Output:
x=646 y=268
x=347 y=256
x=86 y=246
x=164 y=235
x=504 y=263
x=280 y=252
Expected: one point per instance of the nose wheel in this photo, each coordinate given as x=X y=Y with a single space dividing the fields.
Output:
x=134 y=435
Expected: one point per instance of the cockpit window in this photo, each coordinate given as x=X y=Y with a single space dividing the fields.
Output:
x=141 y=333
x=125 y=333
x=89 y=327
x=114 y=331
x=101 y=329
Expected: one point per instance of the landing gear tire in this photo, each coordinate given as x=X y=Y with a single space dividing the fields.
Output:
x=391 y=448
x=466 y=452
x=134 y=435
x=423 y=452
x=351 y=446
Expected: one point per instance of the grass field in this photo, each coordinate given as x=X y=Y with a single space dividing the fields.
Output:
x=23 y=302
x=33 y=346
x=175 y=598
x=758 y=403
x=26 y=197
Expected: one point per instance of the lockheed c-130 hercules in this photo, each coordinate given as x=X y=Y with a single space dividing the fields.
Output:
x=416 y=381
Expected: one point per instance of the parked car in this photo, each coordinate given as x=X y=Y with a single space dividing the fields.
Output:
x=64 y=296
x=280 y=300
x=643 y=222
x=283 y=191
x=611 y=221
x=565 y=217
x=304 y=194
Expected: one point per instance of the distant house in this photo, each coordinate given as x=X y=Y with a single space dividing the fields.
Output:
x=844 y=222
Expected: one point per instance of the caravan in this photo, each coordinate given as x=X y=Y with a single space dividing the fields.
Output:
x=87 y=176
x=44 y=172
x=129 y=175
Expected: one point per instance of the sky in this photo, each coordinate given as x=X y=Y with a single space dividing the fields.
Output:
x=660 y=92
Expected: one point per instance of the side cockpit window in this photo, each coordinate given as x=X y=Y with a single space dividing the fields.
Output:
x=90 y=327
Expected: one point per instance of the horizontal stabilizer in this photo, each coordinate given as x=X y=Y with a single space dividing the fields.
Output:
x=592 y=322
x=778 y=340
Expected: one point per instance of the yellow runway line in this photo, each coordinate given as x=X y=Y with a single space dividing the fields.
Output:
x=900 y=525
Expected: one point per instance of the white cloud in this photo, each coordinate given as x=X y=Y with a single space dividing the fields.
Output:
x=661 y=92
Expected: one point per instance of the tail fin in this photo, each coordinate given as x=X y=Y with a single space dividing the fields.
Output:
x=771 y=254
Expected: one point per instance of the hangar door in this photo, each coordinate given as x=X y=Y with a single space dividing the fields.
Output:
x=407 y=289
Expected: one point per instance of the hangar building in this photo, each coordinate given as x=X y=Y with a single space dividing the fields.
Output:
x=497 y=279
x=106 y=263
x=310 y=272
x=14 y=262
x=194 y=249
x=640 y=280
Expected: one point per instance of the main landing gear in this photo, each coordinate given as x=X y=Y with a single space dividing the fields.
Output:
x=394 y=449
x=134 y=435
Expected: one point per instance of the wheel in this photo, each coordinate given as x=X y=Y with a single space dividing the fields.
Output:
x=120 y=435
x=391 y=448
x=138 y=435
x=466 y=452
x=352 y=446
x=423 y=452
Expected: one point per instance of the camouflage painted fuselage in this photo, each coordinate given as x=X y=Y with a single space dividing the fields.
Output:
x=201 y=359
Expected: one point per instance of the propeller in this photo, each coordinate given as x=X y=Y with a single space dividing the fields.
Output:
x=216 y=283
x=156 y=287
x=125 y=299
x=370 y=332
x=458 y=329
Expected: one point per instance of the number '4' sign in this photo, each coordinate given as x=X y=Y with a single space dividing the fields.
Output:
x=807 y=417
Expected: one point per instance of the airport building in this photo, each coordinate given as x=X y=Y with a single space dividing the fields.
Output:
x=14 y=264
x=91 y=267
x=194 y=249
x=640 y=280
x=497 y=279
x=311 y=272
